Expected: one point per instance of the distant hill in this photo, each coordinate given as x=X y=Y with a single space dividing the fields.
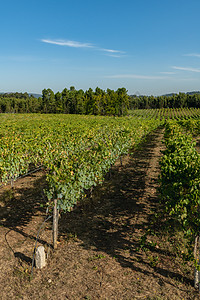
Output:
x=35 y=95
x=192 y=93
x=137 y=94
x=170 y=95
x=13 y=93
x=188 y=93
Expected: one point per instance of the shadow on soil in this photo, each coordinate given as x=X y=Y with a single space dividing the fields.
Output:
x=110 y=222
x=23 y=257
x=117 y=213
x=19 y=204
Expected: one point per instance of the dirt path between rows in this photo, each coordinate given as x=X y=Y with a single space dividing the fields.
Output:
x=99 y=254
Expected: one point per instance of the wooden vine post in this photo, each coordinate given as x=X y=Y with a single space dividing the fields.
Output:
x=196 y=257
x=121 y=163
x=55 y=224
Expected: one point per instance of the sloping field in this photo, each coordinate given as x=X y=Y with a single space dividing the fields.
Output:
x=100 y=254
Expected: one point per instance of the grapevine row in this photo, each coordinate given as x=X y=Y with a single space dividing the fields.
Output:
x=180 y=181
x=75 y=151
x=167 y=113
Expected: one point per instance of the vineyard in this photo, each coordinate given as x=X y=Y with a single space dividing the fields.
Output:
x=76 y=152
x=83 y=159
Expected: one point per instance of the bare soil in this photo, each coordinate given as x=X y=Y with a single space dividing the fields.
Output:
x=100 y=253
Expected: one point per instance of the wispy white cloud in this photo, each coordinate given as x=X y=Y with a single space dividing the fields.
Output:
x=110 y=50
x=193 y=54
x=114 y=55
x=149 y=77
x=75 y=44
x=168 y=73
x=188 y=69
x=68 y=43
x=135 y=76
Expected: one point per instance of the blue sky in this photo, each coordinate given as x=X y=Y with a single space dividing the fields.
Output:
x=147 y=46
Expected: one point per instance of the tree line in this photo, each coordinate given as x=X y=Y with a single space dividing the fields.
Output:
x=89 y=102
x=172 y=101
x=69 y=101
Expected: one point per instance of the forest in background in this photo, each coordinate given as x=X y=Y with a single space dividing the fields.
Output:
x=166 y=101
x=69 y=101
x=89 y=102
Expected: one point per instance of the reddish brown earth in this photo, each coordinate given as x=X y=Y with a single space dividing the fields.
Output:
x=99 y=254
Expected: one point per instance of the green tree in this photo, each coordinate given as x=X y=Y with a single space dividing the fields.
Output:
x=59 y=102
x=122 y=101
x=48 y=101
